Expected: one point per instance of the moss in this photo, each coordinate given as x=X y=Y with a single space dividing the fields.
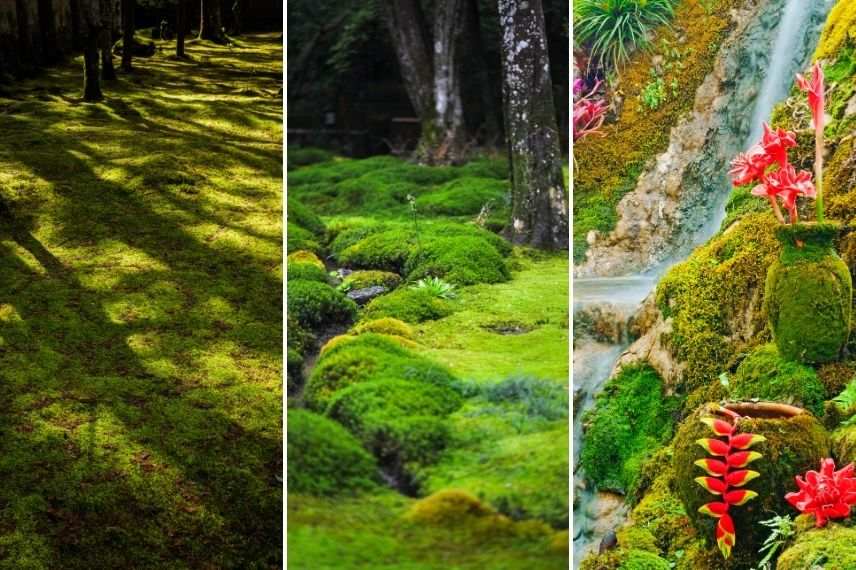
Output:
x=831 y=548
x=315 y=304
x=362 y=279
x=836 y=376
x=809 y=295
x=306 y=257
x=347 y=233
x=368 y=357
x=299 y=238
x=305 y=218
x=765 y=375
x=462 y=261
x=386 y=326
x=561 y=542
x=324 y=459
x=624 y=559
x=717 y=289
x=304 y=156
x=632 y=418
x=387 y=250
x=409 y=305
x=294 y=370
x=464 y=196
x=844 y=444
x=794 y=445
x=306 y=272
x=342 y=339
x=840 y=28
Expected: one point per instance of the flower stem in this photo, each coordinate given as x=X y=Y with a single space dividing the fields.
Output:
x=776 y=210
x=818 y=172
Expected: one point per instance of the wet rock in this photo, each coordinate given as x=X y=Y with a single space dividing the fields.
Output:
x=608 y=542
x=605 y=513
x=363 y=296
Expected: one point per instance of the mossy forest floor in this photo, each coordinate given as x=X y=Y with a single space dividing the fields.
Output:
x=489 y=473
x=140 y=314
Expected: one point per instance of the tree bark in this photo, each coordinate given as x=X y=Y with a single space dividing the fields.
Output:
x=25 y=38
x=105 y=41
x=91 y=76
x=47 y=29
x=539 y=200
x=491 y=104
x=211 y=23
x=407 y=27
x=128 y=8
x=180 y=14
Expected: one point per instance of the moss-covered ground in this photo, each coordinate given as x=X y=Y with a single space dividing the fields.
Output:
x=465 y=393
x=140 y=314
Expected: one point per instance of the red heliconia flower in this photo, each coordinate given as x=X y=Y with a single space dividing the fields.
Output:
x=776 y=144
x=750 y=166
x=815 y=89
x=828 y=494
x=726 y=476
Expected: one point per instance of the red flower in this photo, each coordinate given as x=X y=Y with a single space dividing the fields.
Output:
x=589 y=113
x=750 y=166
x=826 y=495
x=776 y=144
x=815 y=90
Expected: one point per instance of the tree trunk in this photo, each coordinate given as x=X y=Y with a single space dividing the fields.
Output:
x=91 y=79
x=25 y=38
x=211 y=23
x=105 y=40
x=406 y=24
x=128 y=8
x=491 y=104
x=236 y=18
x=180 y=14
x=539 y=201
x=47 y=29
x=76 y=38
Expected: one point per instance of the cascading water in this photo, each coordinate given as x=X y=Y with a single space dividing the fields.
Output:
x=789 y=29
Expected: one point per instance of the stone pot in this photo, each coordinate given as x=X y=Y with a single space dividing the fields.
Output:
x=809 y=295
x=796 y=442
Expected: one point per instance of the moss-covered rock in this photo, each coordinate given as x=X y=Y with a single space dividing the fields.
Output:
x=307 y=257
x=387 y=250
x=796 y=442
x=324 y=459
x=363 y=279
x=632 y=419
x=386 y=325
x=314 y=304
x=461 y=260
x=844 y=444
x=625 y=559
x=304 y=217
x=830 y=548
x=809 y=295
x=765 y=375
x=369 y=357
x=306 y=272
x=838 y=30
x=464 y=196
x=342 y=339
x=408 y=304
x=835 y=376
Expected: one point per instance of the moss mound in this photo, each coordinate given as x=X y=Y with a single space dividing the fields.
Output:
x=306 y=272
x=304 y=217
x=464 y=196
x=830 y=548
x=387 y=250
x=363 y=279
x=299 y=238
x=838 y=30
x=324 y=459
x=369 y=357
x=304 y=156
x=765 y=375
x=314 y=304
x=294 y=370
x=462 y=260
x=409 y=305
x=809 y=295
x=631 y=420
x=306 y=257
x=343 y=339
x=794 y=445
x=386 y=325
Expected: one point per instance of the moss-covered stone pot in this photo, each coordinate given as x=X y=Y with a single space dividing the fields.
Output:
x=809 y=294
x=795 y=442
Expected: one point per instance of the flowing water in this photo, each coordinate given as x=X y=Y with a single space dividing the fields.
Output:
x=789 y=29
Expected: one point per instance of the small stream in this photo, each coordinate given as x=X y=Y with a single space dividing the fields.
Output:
x=790 y=28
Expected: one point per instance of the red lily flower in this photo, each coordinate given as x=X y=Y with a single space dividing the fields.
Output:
x=828 y=494
x=815 y=89
x=776 y=144
x=750 y=166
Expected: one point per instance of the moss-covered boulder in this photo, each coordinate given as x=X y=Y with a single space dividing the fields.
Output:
x=363 y=279
x=306 y=272
x=408 y=304
x=830 y=548
x=809 y=295
x=464 y=196
x=765 y=375
x=386 y=250
x=459 y=260
x=314 y=304
x=386 y=325
x=795 y=442
x=304 y=256
x=324 y=459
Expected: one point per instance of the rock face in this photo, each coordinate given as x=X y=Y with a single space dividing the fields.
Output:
x=676 y=200
x=363 y=296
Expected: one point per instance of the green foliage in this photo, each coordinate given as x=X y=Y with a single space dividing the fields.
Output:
x=462 y=261
x=654 y=93
x=765 y=375
x=614 y=28
x=436 y=287
x=306 y=272
x=846 y=402
x=463 y=196
x=369 y=357
x=305 y=218
x=315 y=304
x=782 y=529
x=324 y=459
x=294 y=369
x=409 y=305
x=632 y=418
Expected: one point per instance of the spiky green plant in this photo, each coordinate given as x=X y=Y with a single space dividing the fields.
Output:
x=614 y=28
x=437 y=287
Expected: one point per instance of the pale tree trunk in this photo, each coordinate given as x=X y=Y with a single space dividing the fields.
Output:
x=539 y=201
x=431 y=74
x=180 y=25
x=128 y=8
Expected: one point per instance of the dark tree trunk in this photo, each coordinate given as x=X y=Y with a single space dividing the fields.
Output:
x=180 y=25
x=406 y=24
x=539 y=201
x=91 y=76
x=211 y=23
x=128 y=8
x=47 y=29
x=105 y=40
x=25 y=37
x=76 y=39
x=488 y=88
x=236 y=18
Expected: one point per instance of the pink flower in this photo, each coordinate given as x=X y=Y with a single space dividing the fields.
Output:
x=815 y=89
x=776 y=144
x=589 y=114
x=828 y=494
x=750 y=166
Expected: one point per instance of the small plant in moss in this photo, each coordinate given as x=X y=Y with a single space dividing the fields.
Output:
x=782 y=529
x=654 y=93
x=825 y=494
x=725 y=476
x=436 y=287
